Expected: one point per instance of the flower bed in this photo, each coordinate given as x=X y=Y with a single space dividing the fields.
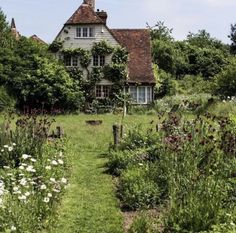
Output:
x=31 y=184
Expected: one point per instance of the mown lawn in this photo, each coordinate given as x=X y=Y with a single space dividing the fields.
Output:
x=89 y=204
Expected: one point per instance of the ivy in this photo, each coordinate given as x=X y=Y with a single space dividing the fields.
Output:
x=83 y=54
x=120 y=55
x=55 y=46
x=115 y=72
x=102 y=48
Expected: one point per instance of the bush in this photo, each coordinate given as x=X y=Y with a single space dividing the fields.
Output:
x=121 y=160
x=137 y=190
x=7 y=102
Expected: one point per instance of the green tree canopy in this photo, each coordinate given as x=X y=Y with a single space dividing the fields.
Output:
x=232 y=37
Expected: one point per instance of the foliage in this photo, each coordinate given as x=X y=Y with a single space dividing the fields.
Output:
x=102 y=48
x=30 y=184
x=7 y=102
x=232 y=37
x=36 y=79
x=6 y=38
x=55 y=46
x=120 y=56
x=203 y=39
x=160 y=32
x=226 y=81
x=137 y=190
x=192 y=163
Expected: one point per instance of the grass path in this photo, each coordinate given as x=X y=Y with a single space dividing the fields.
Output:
x=89 y=204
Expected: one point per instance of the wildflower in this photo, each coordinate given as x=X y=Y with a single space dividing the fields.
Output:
x=2 y=150
x=30 y=169
x=21 y=167
x=13 y=228
x=54 y=162
x=64 y=180
x=53 y=180
x=25 y=156
x=13 y=144
x=33 y=160
x=56 y=190
x=22 y=198
x=10 y=148
x=23 y=182
x=60 y=161
x=48 y=167
x=49 y=195
x=27 y=194
x=6 y=167
x=60 y=154
x=43 y=187
x=46 y=200
x=5 y=146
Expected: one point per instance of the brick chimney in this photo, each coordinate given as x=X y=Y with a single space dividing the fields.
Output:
x=90 y=3
x=102 y=15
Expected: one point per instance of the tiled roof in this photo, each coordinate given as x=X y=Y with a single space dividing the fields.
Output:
x=137 y=42
x=37 y=39
x=84 y=15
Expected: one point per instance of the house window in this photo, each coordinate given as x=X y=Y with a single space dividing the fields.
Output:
x=67 y=60
x=99 y=60
x=141 y=94
x=71 y=61
x=91 y=32
x=74 y=61
x=84 y=32
x=103 y=91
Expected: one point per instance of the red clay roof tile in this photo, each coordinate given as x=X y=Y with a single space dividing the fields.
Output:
x=137 y=43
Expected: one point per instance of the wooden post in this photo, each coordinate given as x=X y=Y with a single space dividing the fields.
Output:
x=121 y=131
x=116 y=130
x=58 y=132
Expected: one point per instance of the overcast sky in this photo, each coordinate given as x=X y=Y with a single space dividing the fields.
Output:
x=46 y=17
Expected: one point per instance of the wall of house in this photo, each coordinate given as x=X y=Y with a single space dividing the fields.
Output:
x=101 y=33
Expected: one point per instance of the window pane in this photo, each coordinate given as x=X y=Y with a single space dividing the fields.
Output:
x=102 y=60
x=91 y=32
x=95 y=60
x=85 y=32
x=75 y=61
x=106 y=91
x=67 y=60
x=141 y=95
x=133 y=93
x=98 y=91
x=149 y=94
x=78 y=32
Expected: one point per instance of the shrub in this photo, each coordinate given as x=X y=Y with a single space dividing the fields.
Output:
x=120 y=160
x=137 y=190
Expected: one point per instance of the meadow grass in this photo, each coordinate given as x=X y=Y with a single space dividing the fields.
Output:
x=90 y=204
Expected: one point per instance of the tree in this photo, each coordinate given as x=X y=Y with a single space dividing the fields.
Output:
x=226 y=81
x=160 y=32
x=6 y=39
x=232 y=37
x=203 y=39
x=36 y=78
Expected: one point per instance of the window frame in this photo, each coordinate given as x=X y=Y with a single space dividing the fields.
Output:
x=99 y=60
x=135 y=91
x=85 y=32
x=103 y=90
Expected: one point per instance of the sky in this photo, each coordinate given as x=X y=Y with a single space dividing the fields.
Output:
x=45 y=18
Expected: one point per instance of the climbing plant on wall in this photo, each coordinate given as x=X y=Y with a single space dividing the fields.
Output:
x=116 y=72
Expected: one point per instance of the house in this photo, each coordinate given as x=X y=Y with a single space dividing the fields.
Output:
x=87 y=26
